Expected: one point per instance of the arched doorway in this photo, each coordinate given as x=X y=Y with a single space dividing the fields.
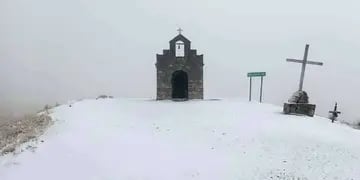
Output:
x=179 y=82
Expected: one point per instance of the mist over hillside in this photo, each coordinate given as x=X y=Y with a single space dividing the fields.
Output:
x=59 y=51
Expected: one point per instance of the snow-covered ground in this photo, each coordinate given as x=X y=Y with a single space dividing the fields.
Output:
x=136 y=139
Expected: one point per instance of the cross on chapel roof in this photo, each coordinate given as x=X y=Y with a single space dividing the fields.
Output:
x=180 y=30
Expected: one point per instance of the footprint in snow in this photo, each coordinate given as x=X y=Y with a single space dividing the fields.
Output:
x=9 y=164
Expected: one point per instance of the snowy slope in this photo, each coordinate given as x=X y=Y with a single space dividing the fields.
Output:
x=134 y=139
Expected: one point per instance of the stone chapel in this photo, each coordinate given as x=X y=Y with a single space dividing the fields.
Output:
x=179 y=71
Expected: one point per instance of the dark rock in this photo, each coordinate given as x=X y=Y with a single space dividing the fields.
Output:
x=8 y=150
x=102 y=97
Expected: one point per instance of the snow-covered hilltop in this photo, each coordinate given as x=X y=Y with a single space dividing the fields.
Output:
x=139 y=139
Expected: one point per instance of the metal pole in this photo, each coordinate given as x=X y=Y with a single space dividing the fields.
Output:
x=261 y=89
x=250 y=89
x=303 y=67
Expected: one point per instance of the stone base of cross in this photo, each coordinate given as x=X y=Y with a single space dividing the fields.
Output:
x=299 y=104
x=299 y=108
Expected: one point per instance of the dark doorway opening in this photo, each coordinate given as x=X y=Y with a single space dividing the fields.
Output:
x=179 y=83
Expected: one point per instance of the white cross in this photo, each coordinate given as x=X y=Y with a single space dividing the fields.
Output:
x=304 y=62
x=180 y=30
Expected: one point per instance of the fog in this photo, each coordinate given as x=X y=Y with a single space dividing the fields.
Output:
x=55 y=51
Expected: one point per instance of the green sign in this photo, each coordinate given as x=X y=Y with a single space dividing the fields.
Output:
x=256 y=74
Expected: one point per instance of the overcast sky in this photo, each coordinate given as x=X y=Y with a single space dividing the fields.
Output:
x=54 y=51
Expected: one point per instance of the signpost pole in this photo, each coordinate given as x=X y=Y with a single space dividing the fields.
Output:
x=261 y=88
x=256 y=74
x=250 y=89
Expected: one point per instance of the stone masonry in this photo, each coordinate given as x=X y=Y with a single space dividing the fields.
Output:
x=299 y=104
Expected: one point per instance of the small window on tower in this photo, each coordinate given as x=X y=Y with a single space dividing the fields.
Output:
x=179 y=49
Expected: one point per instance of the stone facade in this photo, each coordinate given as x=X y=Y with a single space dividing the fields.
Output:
x=179 y=76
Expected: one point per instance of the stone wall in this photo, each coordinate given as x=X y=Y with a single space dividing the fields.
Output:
x=195 y=82
x=196 y=89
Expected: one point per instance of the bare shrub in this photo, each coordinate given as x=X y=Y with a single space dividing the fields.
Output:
x=104 y=97
x=16 y=132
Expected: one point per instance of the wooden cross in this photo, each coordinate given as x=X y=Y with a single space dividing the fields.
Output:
x=180 y=30
x=304 y=62
x=335 y=110
x=335 y=113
